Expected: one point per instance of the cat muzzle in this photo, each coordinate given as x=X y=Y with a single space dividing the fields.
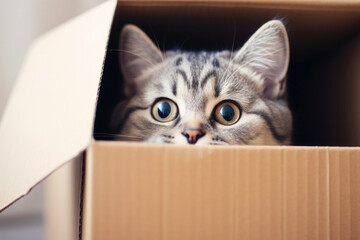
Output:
x=193 y=134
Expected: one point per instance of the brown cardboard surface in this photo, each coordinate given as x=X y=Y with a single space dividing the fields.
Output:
x=344 y=194
x=140 y=191
x=49 y=117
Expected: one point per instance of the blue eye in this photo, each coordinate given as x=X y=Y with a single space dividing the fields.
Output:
x=164 y=110
x=227 y=113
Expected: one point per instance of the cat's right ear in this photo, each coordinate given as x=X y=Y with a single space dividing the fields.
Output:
x=137 y=53
x=267 y=54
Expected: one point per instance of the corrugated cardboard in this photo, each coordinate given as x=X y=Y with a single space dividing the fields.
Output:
x=139 y=191
x=180 y=192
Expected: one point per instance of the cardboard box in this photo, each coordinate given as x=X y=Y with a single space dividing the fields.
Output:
x=143 y=191
x=221 y=193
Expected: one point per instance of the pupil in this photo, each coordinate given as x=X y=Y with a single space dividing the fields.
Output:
x=227 y=112
x=164 y=109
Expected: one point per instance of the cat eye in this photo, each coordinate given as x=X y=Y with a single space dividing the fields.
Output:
x=227 y=113
x=164 y=110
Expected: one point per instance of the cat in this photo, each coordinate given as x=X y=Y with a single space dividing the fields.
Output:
x=202 y=97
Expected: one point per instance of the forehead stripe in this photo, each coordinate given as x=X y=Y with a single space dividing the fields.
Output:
x=217 y=89
x=215 y=63
x=179 y=61
x=184 y=77
x=174 y=87
x=207 y=77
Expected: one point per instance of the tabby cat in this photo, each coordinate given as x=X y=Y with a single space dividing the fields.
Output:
x=202 y=97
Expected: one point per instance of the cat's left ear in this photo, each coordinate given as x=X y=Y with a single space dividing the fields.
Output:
x=267 y=53
x=137 y=53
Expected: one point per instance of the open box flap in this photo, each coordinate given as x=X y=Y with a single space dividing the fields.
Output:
x=49 y=117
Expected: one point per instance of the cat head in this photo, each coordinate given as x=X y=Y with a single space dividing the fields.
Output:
x=205 y=97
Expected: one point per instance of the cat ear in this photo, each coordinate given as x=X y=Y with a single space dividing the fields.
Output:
x=137 y=53
x=267 y=53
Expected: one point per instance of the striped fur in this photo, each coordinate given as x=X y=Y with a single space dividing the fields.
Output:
x=253 y=77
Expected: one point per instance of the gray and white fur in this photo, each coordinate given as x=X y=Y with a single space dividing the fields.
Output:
x=252 y=78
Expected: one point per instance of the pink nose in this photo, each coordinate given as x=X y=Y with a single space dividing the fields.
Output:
x=193 y=134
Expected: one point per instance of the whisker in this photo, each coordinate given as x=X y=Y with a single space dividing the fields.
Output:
x=231 y=56
x=157 y=44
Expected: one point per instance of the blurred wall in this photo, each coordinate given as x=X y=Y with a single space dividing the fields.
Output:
x=21 y=21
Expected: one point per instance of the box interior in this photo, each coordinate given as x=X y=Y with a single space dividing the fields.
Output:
x=323 y=76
